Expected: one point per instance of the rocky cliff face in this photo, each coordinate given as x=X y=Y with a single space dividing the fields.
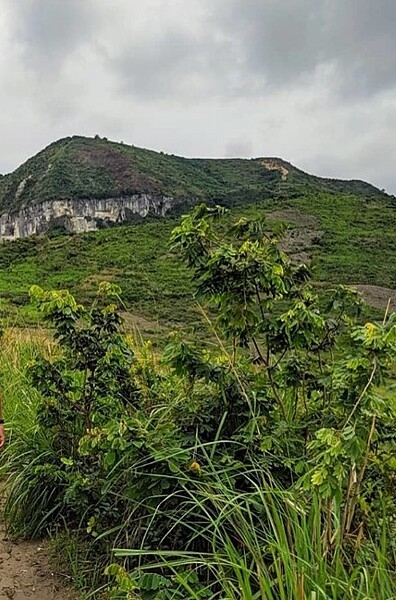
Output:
x=80 y=215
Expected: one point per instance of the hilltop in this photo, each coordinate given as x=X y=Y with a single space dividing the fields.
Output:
x=344 y=229
x=76 y=168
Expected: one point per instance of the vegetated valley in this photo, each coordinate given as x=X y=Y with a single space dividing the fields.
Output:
x=201 y=405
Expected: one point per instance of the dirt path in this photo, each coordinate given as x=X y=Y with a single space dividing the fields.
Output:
x=25 y=572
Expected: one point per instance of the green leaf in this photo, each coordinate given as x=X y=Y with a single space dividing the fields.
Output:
x=110 y=458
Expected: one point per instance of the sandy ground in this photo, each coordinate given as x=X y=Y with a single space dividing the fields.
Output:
x=25 y=572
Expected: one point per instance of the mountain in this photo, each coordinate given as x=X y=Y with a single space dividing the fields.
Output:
x=344 y=229
x=82 y=184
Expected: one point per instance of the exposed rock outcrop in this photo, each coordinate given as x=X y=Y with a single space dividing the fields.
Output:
x=276 y=165
x=80 y=215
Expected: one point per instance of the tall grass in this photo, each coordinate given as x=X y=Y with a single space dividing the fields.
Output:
x=19 y=347
x=27 y=502
x=26 y=443
x=264 y=543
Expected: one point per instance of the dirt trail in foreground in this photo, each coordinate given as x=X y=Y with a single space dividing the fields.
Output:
x=25 y=572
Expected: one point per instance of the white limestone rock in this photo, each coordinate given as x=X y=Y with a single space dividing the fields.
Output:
x=80 y=215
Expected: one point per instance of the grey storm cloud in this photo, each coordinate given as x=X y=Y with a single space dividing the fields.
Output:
x=313 y=81
x=48 y=31
x=281 y=42
x=159 y=66
x=236 y=47
x=244 y=47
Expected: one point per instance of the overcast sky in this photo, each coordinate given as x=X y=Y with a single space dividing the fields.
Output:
x=311 y=81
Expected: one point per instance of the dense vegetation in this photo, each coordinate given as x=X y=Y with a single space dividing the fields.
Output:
x=261 y=466
x=79 y=167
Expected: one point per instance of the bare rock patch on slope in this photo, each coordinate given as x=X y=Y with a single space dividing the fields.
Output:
x=377 y=296
x=303 y=234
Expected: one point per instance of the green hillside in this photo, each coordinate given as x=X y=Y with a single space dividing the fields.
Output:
x=344 y=229
x=286 y=413
x=79 y=167
x=356 y=247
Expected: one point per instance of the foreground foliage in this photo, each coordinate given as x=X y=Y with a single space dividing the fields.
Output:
x=262 y=466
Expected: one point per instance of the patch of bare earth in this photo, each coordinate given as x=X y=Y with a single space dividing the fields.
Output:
x=134 y=322
x=302 y=235
x=25 y=572
x=378 y=296
x=275 y=165
x=121 y=168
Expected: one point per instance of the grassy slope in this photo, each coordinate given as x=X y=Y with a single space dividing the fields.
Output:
x=356 y=247
x=154 y=284
x=358 y=222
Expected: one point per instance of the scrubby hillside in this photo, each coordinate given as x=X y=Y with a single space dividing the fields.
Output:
x=223 y=469
x=356 y=247
x=344 y=229
x=82 y=168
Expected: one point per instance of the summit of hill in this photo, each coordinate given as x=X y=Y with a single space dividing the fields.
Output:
x=79 y=167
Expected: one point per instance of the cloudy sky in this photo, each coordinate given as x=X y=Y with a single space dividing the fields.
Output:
x=311 y=81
